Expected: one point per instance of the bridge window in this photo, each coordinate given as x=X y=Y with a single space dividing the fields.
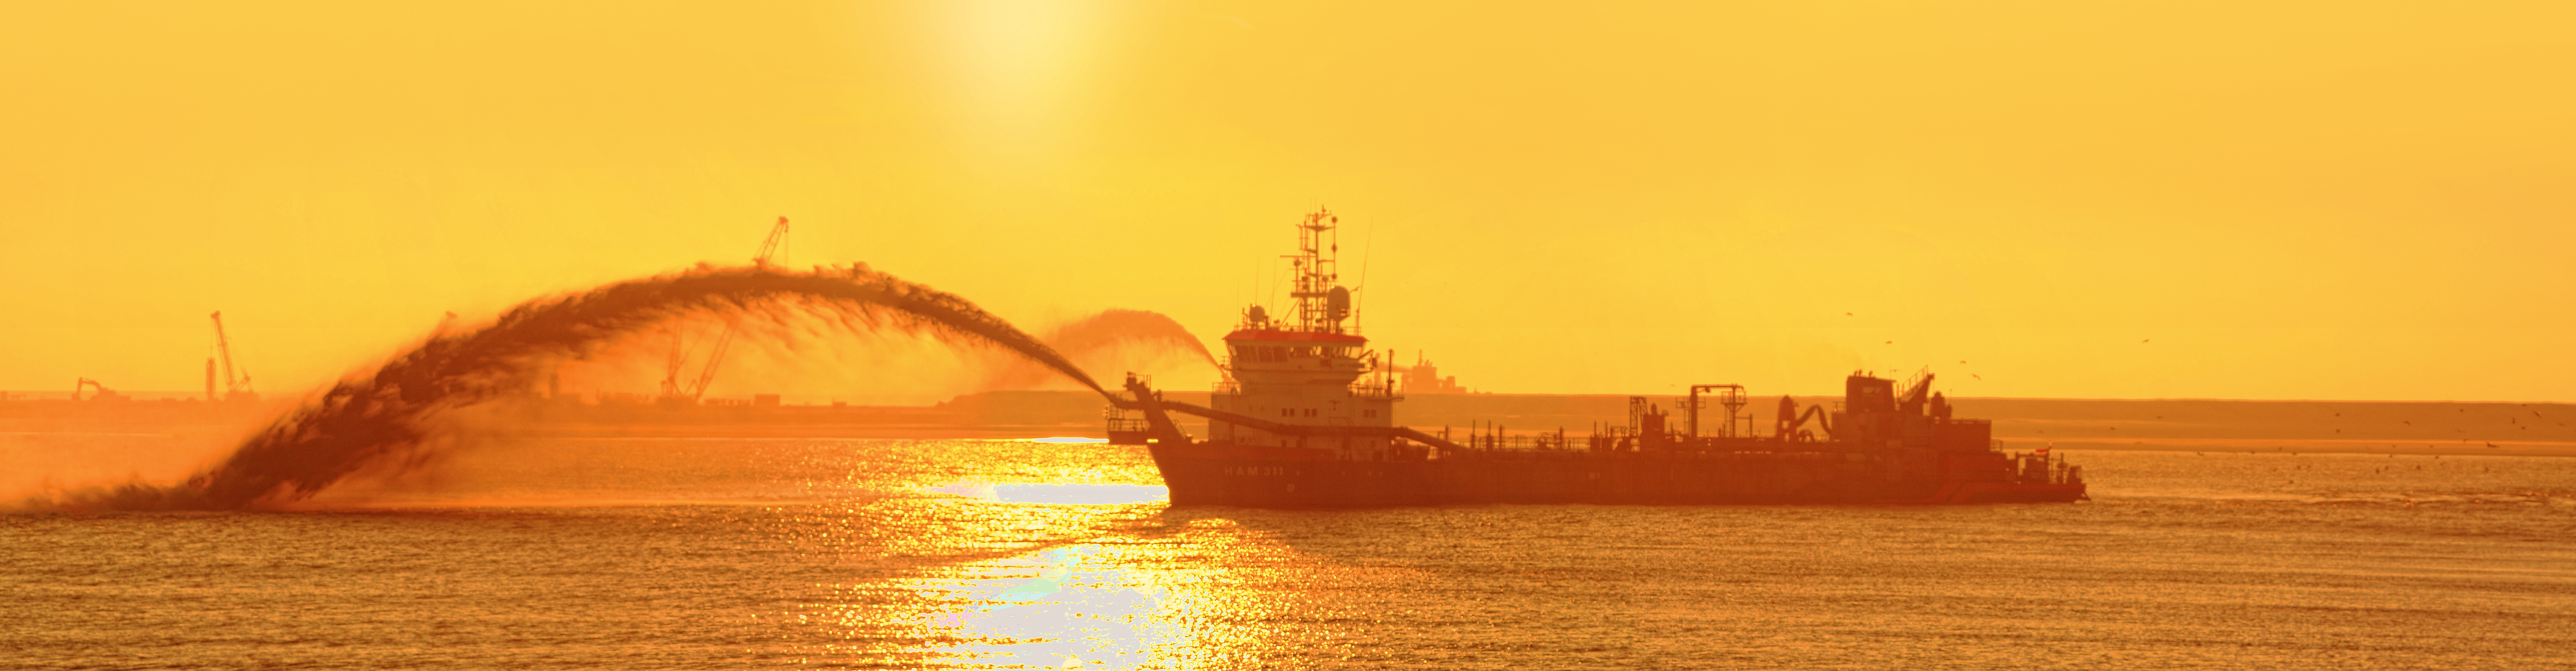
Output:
x=1258 y=352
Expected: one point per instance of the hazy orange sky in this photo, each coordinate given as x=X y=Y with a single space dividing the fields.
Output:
x=2330 y=200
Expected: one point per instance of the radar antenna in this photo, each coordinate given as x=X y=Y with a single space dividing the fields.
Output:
x=1321 y=304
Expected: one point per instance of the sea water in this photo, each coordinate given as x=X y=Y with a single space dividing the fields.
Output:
x=726 y=553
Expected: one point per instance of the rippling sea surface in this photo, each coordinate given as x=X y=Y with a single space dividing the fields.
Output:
x=622 y=553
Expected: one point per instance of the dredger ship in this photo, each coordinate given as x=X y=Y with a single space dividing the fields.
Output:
x=1305 y=418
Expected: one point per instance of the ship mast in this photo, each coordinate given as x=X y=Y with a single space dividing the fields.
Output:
x=1321 y=304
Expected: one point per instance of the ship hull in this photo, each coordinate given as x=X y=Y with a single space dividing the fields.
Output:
x=1268 y=477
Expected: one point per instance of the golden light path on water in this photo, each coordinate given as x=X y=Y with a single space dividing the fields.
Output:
x=1047 y=566
x=1121 y=603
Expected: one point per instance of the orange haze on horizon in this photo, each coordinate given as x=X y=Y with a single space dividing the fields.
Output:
x=2303 y=200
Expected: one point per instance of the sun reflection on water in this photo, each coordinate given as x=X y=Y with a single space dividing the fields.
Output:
x=1022 y=554
x=1153 y=596
x=1050 y=492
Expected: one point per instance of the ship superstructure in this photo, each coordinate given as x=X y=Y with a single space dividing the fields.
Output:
x=1306 y=369
x=1306 y=418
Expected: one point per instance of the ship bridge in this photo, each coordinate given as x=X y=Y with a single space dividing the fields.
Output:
x=1272 y=356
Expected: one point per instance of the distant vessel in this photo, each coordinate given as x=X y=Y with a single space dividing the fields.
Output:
x=1305 y=419
x=1424 y=378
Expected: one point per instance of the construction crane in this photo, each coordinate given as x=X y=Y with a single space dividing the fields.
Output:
x=234 y=387
x=671 y=373
x=672 y=389
x=774 y=245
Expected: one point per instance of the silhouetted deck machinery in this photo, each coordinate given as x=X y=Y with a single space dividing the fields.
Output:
x=1305 y=418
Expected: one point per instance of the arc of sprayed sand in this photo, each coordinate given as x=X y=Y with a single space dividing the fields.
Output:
x=1115 y=325
x=361 y=421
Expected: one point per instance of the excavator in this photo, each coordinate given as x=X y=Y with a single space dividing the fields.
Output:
x=104 y=393
x=1917 y=396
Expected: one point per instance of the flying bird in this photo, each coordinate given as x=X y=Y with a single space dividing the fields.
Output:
x=1974 y=375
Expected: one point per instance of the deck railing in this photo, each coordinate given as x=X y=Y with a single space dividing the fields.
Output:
x=1382 y=391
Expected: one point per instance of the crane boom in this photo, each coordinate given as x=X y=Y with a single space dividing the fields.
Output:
x=224 y=350
x=776 y=243
x=699 y=388
x=679 y=359
x=769 y=247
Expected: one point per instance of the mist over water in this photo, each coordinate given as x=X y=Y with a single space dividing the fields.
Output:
x=383 y=419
